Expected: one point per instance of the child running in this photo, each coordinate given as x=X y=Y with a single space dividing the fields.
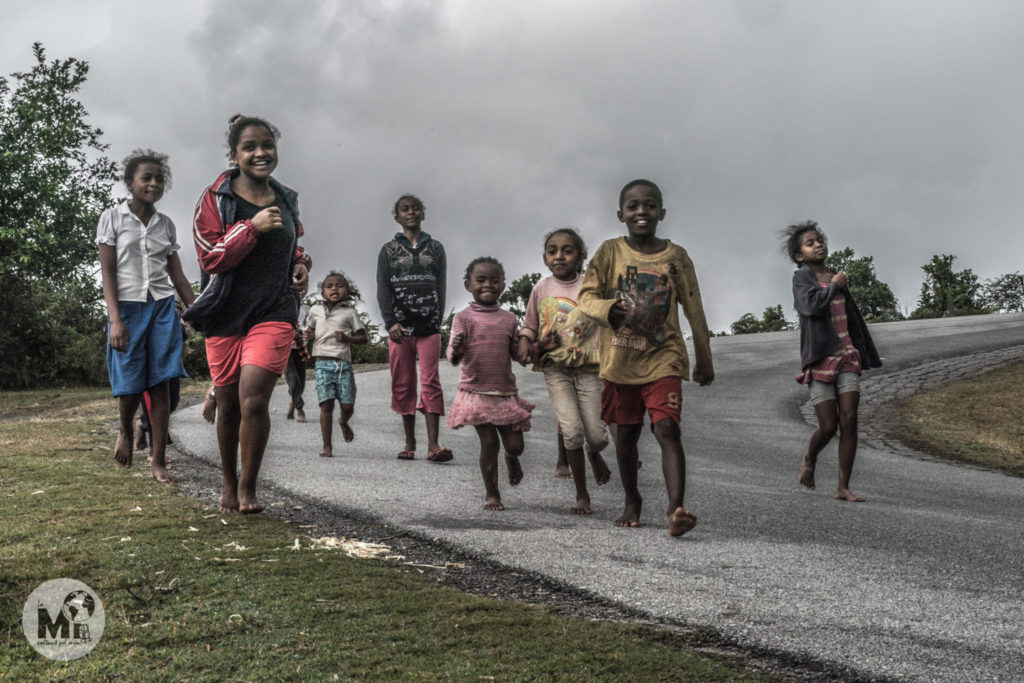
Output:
x=564 y=342
x=295 y=372
x=484 y=341
x=632 y=289
x=835 y=347
x=411 y=275
x=141 y=271
x=334 y=325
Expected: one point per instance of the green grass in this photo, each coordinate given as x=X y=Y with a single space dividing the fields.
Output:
x=191 y=594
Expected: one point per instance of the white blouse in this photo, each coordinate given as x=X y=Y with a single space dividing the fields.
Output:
x=142 y=252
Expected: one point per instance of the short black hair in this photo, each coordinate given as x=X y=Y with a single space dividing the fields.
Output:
x=141 y=156
x=792 y=236
x=641 y=181
x=482 y=259
x=239 y=122
x=394 y=209
x=576 y=238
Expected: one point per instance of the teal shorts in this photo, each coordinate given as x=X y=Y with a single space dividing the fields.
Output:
x=335 y=380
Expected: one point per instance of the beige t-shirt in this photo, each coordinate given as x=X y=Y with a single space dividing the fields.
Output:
x=324 y=323
x=650 y=344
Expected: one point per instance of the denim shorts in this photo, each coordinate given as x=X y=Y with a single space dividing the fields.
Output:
x=828 y=391
x=335 y=380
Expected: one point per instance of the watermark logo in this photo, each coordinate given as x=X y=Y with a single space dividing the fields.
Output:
x=63 y=619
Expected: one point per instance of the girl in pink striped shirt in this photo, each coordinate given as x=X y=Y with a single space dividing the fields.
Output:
x=484 y=338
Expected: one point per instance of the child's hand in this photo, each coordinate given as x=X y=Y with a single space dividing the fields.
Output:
x=395 y=332
x=458 y=347
x=523 y=350
x=267 y=219
x=342 y=337
x=307 y=334
x=617 y=314
x=840 y=278
x=300 y=279
x=118 y=336
x=703 y=376
x=550 y=341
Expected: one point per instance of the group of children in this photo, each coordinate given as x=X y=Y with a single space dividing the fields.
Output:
x=607 y=338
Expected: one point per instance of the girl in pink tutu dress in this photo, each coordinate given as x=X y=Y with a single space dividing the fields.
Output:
x=484 y=338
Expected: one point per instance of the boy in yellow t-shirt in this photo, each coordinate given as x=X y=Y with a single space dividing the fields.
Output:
x=632 y=287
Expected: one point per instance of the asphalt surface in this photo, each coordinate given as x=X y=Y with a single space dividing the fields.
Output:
x=924 y=581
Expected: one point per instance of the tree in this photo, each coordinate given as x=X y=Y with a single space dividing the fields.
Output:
x=945 y=293
x=517 y=295
x=773 y=320
x=54 y=182
x=1004 y=294
x=874 y=298
x=375 y=350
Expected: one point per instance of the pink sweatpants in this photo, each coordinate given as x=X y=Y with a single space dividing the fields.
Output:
x=403 y=375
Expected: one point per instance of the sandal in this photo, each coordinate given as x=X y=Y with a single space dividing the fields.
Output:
x=406 y=455
x=440 y=454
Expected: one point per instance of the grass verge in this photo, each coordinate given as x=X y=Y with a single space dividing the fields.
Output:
x=191 y=594
x=977 y=420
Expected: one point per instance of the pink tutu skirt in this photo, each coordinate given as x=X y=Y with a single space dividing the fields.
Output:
x=470 y=408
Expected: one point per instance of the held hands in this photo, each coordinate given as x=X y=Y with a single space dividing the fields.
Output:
x=267 y=219
x=458 y=348
x=617 y=314
x=840 y=278
x=523 y=350
x=395 y=333
x=549 y=342
x=118 y=336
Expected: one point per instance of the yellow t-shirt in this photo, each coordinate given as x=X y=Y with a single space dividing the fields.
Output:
x=650 y=344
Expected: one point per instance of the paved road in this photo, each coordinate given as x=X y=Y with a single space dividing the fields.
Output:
x=925 y=581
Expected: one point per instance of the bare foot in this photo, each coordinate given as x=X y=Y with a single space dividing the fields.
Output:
x=680 y=521
x=210 y=407
x=493 y=504
x=848 y=495
x=600 y=468
x=346 y=431
x=326 y=453
x=228 y=499
x=515 y=470
x=562 y=471
x=582 y=506
x=630 y=514
x=249 y=504
x=807 y=473
x=161 y=474
x=300 y=415
x=290 y=415
x=140 y=436
x=123 y=450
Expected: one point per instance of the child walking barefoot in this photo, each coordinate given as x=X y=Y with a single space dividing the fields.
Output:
x=633 y=288
x=334 y=325
x=564 y=342
x=483 y=340
x=835 y=347
x=141 y=271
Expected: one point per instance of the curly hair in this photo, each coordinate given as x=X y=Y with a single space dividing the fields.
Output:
x=577 y=240
x=141 y=156
x=482 y=259
x=792 y=236
x=353 y=291
x=394 y=209
x=239 y=122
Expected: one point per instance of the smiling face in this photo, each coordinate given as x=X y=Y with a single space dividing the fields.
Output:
x=334 y=290
x=256 y=152
x=409 y=213
x=641 y=211
x=562 y=256
x=147 y=185
x=813 y=248
x=486 y=283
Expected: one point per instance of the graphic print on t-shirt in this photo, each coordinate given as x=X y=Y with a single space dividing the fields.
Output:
x=561 y=315
x=648 y=295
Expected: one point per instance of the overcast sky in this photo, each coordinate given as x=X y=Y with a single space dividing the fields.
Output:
x=895 y=124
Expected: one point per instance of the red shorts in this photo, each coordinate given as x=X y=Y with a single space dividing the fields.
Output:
x=624 y=404
x=266 y=345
